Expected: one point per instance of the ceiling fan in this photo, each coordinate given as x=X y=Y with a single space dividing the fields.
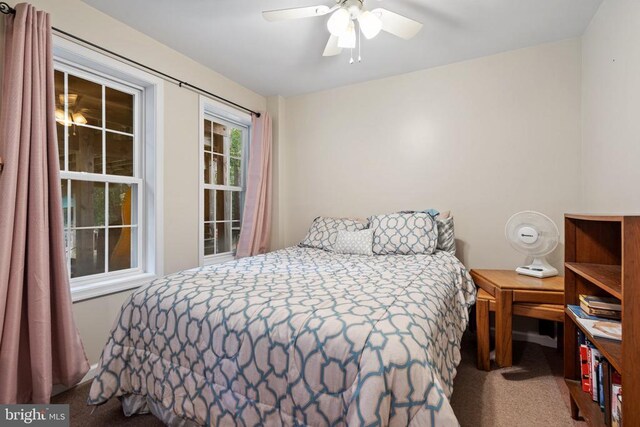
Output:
x=342 y=23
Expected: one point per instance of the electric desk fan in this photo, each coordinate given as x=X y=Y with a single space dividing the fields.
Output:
x=536 y=235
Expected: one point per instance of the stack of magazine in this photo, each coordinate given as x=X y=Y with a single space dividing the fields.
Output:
x=598 y=326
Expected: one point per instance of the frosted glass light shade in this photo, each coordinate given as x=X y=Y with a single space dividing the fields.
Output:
x=61 y=119
x=348 y=39
x=339 y=22
x=370 y=24
x=79 y=119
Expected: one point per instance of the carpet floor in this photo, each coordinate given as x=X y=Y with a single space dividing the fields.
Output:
x=532 y=393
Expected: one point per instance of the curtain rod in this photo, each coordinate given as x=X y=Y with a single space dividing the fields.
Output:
x=7 y=10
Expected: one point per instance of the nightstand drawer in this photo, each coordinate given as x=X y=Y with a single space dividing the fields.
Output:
x=541 y=297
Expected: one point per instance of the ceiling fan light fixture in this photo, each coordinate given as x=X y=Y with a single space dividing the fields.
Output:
x=339 y=22
x=347 y=40
x=60 y=117
x=370 y=24
x=79 y=118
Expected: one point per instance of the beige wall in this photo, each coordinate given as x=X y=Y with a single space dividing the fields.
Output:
x=611 y=109
x=276 y=107
x=181 y=131
x=484 y=138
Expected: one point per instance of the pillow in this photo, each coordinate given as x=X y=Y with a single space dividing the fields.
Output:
x=433 y=212
x=354 y=242
x=324 y=231
x=446 y=237
x=404 y=234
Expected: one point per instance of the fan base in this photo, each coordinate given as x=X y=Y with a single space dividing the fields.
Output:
x=537 y=270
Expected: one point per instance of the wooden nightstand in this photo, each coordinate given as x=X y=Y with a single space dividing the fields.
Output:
x=509 y=293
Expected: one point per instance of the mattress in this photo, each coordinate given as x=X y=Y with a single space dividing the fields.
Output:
x=298 y=336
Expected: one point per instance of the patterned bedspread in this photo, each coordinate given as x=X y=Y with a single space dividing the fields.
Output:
x=295 y=337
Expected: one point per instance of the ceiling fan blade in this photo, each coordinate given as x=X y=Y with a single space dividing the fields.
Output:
x=397 y=25
x=332 y=49
x=295 y=13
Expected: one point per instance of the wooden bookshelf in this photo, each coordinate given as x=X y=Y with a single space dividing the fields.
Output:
x=602 y=257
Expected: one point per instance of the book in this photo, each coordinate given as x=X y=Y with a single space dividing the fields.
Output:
x=580 y=313
x=616 y=399
x=581 y=338
x=609 y=329
x=601 y=383
x=602 y=303
x=598 y=312
x=584 y=368
x=594 y=359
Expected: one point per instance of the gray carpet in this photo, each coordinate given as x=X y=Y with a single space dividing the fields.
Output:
x=532 y=393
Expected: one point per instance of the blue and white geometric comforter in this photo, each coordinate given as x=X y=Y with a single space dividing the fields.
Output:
x=295 y=337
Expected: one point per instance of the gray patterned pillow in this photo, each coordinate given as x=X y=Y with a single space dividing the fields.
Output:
x=324 y=231
x=404 y=234
x=354 y=242
x=446 y=237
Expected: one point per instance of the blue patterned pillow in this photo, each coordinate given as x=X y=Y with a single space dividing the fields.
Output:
x=446 y=236
x=324 y=231
x=404 y=234
x=354 y=242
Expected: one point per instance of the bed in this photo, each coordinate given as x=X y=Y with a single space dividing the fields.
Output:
x=299 y=336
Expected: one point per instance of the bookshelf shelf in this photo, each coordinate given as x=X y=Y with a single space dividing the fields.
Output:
x=611 y=349
x=590 y=409
x=601 y=259
x=606 y=276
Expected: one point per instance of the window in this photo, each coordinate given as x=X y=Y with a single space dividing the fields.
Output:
x=224 y=154
x=109 y=127
x=102 y=191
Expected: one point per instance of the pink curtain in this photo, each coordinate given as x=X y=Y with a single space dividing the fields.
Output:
x=256 y=218
x=39 y=342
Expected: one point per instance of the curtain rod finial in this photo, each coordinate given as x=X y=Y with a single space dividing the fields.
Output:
x=6 y=9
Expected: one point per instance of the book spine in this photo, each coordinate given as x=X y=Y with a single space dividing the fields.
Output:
x=606 y=392
x=608 y=314
x=594 y=355
x=581 y=338
x=584 y=367
x=601 y=385
x=616 y=399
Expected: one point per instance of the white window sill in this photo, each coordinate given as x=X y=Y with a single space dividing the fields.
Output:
x=219 y=259
x=109 y=286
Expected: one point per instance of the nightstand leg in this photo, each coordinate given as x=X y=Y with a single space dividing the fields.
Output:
x=482 y=334
x=560 y=337
x=504 y=315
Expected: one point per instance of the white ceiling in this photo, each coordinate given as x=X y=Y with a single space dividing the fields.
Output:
x=285 y=58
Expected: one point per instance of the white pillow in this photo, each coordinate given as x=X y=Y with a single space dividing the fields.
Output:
x=354 y=242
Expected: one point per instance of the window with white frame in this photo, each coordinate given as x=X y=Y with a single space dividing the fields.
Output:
x=110 y=141
x=224 y=154
x=99 y=142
